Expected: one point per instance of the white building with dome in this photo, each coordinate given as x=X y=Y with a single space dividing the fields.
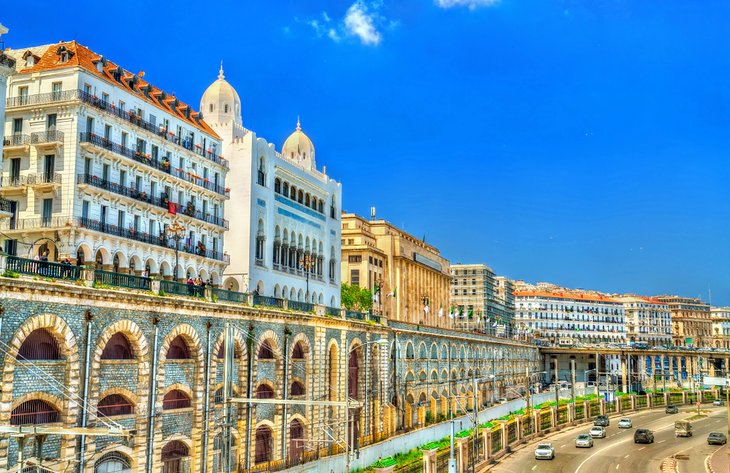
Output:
x=284 y=213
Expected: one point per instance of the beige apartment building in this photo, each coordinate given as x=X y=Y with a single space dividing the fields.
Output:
x=415 y=277
x=720 y=327
x=691 y=322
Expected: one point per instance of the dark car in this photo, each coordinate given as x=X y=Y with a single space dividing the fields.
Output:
x=643 y=436
x=601 y=421
x=716 y=438
x=671 y=410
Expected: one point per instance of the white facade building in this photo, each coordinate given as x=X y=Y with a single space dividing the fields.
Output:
x=99 y=163
x=7 y=68
x=585 y=318
x=647 y=320
x=720 y=326
x=284 y=238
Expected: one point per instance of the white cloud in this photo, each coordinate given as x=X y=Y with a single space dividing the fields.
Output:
x=471 y=4
x=360 y=21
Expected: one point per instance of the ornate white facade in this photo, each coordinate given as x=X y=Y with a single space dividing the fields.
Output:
x=647 y=320
x=284 y=237
x=98 y=163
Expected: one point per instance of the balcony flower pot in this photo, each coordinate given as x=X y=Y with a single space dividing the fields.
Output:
x=385 y=465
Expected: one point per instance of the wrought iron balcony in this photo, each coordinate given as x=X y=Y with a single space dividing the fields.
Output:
x=5 y=206
x=40 y=99
x=44 y=178
x=143 y=158
x=34 y=223
x=48 y=136
x=13 y=181
x=16 y=139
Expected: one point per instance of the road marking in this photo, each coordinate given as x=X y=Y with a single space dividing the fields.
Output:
x=617 y=466
x=560 y=447
x=533 y=468
x=661 y=441
x=627 y=456
x=642 y=448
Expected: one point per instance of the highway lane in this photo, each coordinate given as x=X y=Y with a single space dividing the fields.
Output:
x=617 y=453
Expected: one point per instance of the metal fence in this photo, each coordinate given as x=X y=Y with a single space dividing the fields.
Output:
x=301 y=306
x=46 y=269
x=230 y=296
x=180 y=289
x=122 y=280
x=268 y=301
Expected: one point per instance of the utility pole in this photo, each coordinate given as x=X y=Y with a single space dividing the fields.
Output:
x=557 y=392
x=572 y=381
x=529 y=403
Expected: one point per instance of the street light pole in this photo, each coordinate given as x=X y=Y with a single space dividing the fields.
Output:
x=306 y=264
x=176 y=231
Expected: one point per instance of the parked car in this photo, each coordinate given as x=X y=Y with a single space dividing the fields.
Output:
x=625 y=423
x=597 y=432
x=602 y=421
x=715 y=438
x=718 y=402
x=544 y=451
x=682 y=428
x=670 y=409
x=643 y=436
x=501 y=400
x=584 y=441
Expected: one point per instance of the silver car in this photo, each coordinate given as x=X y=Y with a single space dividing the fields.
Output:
x=545 y=451
x=597 y=432
x=625 y=423
x=584 y=441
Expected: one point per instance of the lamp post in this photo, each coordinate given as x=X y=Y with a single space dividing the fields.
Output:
x=306 y=263
x=349 y=436
x=176 y=231
x=379 y=295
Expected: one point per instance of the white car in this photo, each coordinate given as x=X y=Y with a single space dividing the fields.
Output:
x=625 y=423
x=597 y=432
x=584 y=441
x=544 y=451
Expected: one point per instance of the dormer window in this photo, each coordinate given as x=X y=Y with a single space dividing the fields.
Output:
x=64 y=54
x=30 y=61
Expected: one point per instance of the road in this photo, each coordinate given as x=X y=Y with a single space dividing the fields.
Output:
x=618 y=453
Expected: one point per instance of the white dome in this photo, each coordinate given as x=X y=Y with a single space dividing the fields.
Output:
x=220 y=102
x=299 y=148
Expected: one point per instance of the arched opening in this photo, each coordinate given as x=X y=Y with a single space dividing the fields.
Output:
x=117 y=348
x=178 y=350
x=99 y=259
x=264 y=391
x=298 y=351
x=175 y=399
x=333 y=384
x=115 y=263
x=39 y=345
x=35 y=411
x=264 y=444
x=297 y=389
x=113 y=462
x=265 y=351
x=296 y=441
x=172 y=457
x=114 y=405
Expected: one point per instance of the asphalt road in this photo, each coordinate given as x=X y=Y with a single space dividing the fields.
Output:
x=618 y=453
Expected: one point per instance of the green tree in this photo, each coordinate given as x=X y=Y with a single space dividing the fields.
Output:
x=356 y=298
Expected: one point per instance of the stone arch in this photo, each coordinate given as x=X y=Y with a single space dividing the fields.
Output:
x=231 y=284
x=114 y=448
x=410 y=353
x=422 y=351
x=120 y=261
x=277 y=291
x=101 y=256
x=162 y=268
x=191 y=272
x=203 y=274
x=273 y=339
x=84 y=254
x=444 y=352
x=135 y=263
x=333 y=363
x=215 y=278
x=434 y=351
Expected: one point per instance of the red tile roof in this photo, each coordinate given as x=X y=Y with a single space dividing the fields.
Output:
x=566 y=295
x=81 y=56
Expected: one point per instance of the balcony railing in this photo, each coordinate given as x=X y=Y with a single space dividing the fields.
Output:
x=16 y=139
x=301 y=306
x=14 y=181
x=49 y=136
x=143 y=158
x=230 y=296
x=268 y=301
x=159 y=201
x=44 y=178
x=43 y=268
x=33 y=223
x=131 y=117
x=122 y=280
x=159 y=240
x=180 y=289
x=5 y=205
x=38 y=99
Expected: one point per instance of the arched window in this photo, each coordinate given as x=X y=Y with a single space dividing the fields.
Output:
x=39 y=345
x=263 y=444
x=264 y=391
x=297 y=389
x=172 y=455
x=35 y=411
x=175 y=399
x=218 y=397
x=260 y=240
x=117 y=348
x=262 y=172
x=114 y=405
x=333 y=262
x=225 y=108
x=300 y=196
x=332 y=208
x=113 y=462
x=320 y=206
x=293 y=193
x=211 y=108
x=298 y=352
x=222 y=352
x=285 y=189
x=178 y=349
x=277 y=185
x=307 y=200
x=265 y=352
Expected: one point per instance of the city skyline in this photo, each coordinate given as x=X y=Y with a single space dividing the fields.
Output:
x=583 y=148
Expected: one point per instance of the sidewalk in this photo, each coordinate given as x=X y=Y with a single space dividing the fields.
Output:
x=719 y=461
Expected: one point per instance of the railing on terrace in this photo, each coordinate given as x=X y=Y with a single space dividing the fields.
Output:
x=38 y=99
x=14 y=181
x=181 y=289
x=230 y=296
x=122 y=280
x=43 y=268
x=5 y=205
x=333 y=311
x=49 y=136
x=302 y=306
x=160 y=201
x=32 y=223
x=155 y=163
x=268 y=301
x=159 y=240
x=355 y=315
x=131 y=117
x=16 y=139
x=44 y=178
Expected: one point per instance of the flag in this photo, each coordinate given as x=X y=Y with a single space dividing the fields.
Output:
x=495 y=324
x=172 y=208
x=451 y=312
x=441 y=311
x=426 y=309
x=376 y=294
x=393 y=294
x=471 y=314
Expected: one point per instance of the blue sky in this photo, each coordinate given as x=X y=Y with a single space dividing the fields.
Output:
x=578 y=142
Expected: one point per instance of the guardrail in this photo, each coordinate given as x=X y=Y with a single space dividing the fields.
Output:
x=46 y=269
x=122 y=280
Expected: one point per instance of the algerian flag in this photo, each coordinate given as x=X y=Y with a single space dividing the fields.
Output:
x=426 y=309
x=376 y=294
x=393 y=294
x=495 y=324
x=471 y=314
x=451 y=312
x=441 y=311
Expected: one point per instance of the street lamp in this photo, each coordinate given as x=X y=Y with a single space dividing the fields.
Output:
x=176 y=231
x=306 y=263
x=383 y=343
